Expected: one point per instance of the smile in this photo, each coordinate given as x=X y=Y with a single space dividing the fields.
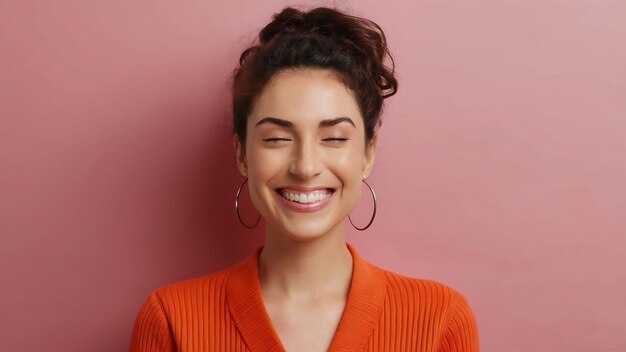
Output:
x=305 y=197
x=301 y=201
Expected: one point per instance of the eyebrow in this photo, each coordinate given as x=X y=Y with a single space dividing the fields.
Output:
x=289 y=124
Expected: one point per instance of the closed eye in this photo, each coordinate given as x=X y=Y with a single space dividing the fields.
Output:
x=274 y=140
x=336 y=140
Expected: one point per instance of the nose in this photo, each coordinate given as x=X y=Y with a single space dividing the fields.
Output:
x=305 y=161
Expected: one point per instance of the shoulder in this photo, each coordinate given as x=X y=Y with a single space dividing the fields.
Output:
x=175 y=307
x=399 y=284
x=439 y=299
x=193 y=290
x=442 y=305
x=183 y=298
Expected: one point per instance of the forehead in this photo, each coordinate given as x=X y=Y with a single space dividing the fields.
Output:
x=305 y=95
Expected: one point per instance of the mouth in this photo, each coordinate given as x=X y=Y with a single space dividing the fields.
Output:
x=305 y=197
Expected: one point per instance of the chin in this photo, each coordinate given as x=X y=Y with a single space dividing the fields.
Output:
x=305 y=231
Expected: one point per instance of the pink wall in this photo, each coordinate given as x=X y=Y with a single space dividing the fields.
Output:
x=500 y=171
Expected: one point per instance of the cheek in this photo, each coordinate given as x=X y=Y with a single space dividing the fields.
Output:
x=263 y=166
x=348 y=164
x=347 y=169
x=263 y=163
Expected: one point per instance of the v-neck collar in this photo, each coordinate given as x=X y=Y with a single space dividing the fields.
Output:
x=365 y=300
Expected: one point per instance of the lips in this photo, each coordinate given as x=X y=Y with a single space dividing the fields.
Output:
x=306 y=195
x=305 y=199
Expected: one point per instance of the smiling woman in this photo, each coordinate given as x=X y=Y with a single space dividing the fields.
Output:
x=307 y=100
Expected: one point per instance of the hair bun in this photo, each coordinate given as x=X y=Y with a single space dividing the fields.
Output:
x=322 y=20
x=290 y=20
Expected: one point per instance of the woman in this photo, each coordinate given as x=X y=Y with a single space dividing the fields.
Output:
x=306 y=101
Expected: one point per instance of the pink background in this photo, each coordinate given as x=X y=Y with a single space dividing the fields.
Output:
x=500 y=171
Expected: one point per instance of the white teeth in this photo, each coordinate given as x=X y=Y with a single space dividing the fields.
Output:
x=306 y=197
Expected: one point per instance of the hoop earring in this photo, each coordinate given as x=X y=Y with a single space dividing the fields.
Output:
x=237 y=207
x=373 y=215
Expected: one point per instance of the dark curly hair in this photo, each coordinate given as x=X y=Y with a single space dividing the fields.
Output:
x=326 y=38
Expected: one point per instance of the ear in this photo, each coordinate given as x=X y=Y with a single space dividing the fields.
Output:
x=240 y=155
x=370 y=155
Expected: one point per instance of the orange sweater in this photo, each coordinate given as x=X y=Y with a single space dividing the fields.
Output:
x=385 y=311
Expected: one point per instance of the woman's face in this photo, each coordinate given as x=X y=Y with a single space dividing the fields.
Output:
x=305 y=153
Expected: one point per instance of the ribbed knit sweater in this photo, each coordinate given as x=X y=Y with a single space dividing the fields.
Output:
x=385 y=311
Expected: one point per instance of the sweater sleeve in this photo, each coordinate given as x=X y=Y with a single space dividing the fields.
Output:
x=151 y=331
x=461 y=332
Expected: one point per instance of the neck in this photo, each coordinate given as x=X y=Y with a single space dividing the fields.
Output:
x=305 y=269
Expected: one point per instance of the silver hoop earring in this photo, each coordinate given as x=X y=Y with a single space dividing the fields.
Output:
x=373 y=215
x=237 y=207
